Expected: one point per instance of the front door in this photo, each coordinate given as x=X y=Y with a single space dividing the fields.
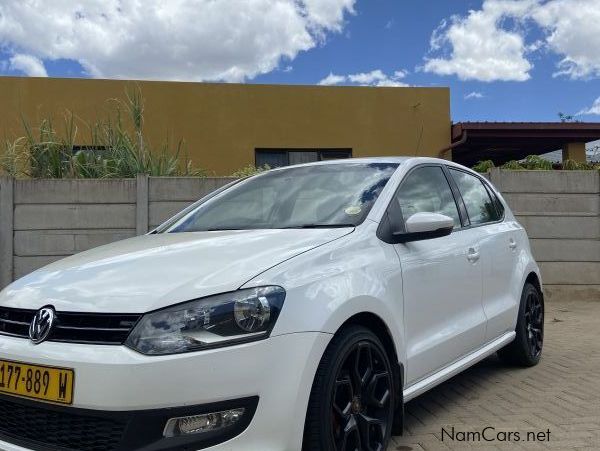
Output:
x=442 y=280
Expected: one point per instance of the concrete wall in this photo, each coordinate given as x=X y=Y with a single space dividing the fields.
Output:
x=223 y=124
x=44 y=220
x=561 y=212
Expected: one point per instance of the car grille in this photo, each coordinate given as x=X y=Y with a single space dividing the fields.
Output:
x=65 y=430
x=95 y=328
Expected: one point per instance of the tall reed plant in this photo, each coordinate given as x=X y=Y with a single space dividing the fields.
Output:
x=114 y=147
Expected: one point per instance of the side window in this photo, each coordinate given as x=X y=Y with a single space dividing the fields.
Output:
x=499 y=206
x=480 y=207
x=426 y=190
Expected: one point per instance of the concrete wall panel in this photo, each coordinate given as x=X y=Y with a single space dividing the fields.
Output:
x=570 y=273
x=541 y=204
x=69 y=216
x=565 y=182
x=571 y=227
x=564 y=250
x=74 y=191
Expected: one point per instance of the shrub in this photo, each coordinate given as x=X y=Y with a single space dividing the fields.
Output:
x=534 y=162
x=250 y=170
x=570 y=165
x=483 y=166
x=513 y=165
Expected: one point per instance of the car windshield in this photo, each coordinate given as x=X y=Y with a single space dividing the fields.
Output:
x=330 y=195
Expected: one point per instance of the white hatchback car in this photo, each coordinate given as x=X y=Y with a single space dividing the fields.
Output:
x=296 y=309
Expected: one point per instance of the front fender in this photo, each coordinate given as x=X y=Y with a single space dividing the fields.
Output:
x=330 y=284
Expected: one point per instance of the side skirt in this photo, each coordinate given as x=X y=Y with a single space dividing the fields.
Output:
x=458 y=366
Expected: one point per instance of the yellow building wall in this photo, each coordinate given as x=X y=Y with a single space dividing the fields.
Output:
x=223 y=124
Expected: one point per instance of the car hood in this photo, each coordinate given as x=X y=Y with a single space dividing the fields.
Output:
x=153 y=271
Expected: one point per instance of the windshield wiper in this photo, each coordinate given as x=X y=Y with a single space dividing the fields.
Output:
x=299 y=226
x=319 y=226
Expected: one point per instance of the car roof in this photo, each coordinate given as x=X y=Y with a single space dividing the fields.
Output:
x=367 y=160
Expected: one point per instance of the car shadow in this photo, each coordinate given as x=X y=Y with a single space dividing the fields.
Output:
x=466 y=387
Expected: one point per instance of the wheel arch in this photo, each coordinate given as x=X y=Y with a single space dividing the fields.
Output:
x=381 y=330
x=534 y=279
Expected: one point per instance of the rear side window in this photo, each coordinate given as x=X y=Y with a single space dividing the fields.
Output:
x=426 y=190
x=499 y=206
x=480 y=206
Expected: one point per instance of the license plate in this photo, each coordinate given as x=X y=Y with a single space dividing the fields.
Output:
x=38 y=382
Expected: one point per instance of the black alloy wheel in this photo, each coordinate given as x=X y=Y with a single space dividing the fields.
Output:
x=526 y=348
x=534 y=323
x=352 y=401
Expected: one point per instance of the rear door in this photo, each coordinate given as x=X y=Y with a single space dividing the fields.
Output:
x=499 y=251
x=442 y=279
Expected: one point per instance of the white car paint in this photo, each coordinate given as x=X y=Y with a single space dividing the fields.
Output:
x=423 y=222
x=446 y=303
x=130 y=276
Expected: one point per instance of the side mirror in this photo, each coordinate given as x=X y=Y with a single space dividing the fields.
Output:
x=425 y=226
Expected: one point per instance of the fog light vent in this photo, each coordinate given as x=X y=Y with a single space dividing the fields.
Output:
x=197 y=424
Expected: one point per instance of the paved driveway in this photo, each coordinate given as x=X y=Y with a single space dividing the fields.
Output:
x=560 y=395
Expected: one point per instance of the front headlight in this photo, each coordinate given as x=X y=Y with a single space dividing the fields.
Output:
x=220 y=320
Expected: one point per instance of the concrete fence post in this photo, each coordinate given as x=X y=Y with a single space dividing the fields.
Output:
x=6 y=230
x=142 y=208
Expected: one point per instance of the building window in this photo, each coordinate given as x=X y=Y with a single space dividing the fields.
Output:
x=276 y=158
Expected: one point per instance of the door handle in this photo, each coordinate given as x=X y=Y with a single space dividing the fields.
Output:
x=472 y=255
x=512 y=244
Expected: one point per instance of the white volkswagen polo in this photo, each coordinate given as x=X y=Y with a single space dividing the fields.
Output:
x=296 y=309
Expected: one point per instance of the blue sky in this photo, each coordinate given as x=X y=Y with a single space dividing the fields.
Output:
x=513 y=60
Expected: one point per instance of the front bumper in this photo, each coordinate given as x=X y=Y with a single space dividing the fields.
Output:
x=279 y=371
x=49 y=427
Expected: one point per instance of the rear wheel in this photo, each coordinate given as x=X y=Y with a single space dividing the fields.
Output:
x=526 y=349
x=351 y=406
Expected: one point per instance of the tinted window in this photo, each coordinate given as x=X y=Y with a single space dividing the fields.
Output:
x=305 y=196
x=499 y=206
x=426 y=190
x=480 y=207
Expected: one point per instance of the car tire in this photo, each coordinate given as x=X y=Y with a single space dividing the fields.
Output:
x=351 y=405
x=526 y=349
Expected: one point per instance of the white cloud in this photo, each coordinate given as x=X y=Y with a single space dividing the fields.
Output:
x=490 y=44
x=374 y=78
x=29 y=65
x=474 y=95
x=480 y=48
x=332 y=79
x=328 y=14
x=573 y=31
x=368 y=78
x=231 y=40
x=594 y=109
